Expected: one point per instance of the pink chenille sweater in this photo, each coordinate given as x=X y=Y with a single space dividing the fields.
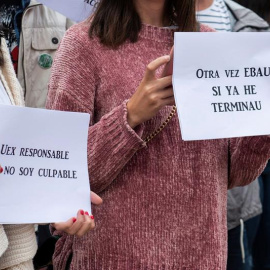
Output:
x=164 y=202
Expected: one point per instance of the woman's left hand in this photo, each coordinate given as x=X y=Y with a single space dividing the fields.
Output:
x=82 y=224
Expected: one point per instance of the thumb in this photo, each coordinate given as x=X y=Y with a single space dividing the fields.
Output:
x=95 y=199
x=63 y=226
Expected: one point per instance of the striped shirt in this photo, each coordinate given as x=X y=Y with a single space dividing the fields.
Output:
x=216 y=16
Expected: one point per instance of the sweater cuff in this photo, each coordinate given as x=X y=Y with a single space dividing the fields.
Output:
x=134 y=135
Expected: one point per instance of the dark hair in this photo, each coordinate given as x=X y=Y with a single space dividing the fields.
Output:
x=1 y=54
x=116 y=21
x=261 y=7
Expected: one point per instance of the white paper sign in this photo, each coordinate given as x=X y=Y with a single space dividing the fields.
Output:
x=44 y=157
x=76 y=10
x=222 y=84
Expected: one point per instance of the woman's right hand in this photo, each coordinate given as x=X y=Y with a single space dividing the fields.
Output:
x=152 y=94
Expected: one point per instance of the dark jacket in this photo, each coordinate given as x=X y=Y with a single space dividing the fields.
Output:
x=244 y=202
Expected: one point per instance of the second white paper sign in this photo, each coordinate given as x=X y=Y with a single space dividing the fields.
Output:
x=222 y=84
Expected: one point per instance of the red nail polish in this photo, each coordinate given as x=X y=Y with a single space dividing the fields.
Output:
x=92 y=217
x=1 y=169
x=87 y=213
x=74 y=220
x=82 y=212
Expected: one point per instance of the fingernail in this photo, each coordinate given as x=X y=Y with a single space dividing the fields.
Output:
x=167 y=57
x=74 y=220
x=82 y=212
x=92 y=217
x=87 y=213
x=1 y=169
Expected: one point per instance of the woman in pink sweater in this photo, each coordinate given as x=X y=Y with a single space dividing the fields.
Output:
x=164 y=200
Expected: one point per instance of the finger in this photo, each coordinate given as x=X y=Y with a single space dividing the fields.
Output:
x=78 y=223
x=95 y=199
x=154 y=65
x=166 y=93
x=168 y=101
x=168 y=69
x=88 y=225
x=164 y=82
x=172 y=52
x=64 y=226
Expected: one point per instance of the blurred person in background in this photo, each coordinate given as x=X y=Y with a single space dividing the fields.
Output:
x=261 y=7
x=42 y=30
x=261 y=252
x=244 y=203
x=33 y=33
x=18 y=242
x=261 y=248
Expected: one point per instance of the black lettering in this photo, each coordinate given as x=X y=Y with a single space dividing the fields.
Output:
x=26 y=171
x=26 y=152
x=229 y=89
x=245 y=105
x=235 y=91
x=8 y=150
x=4 y=149
x=214 y=104
x=40 y=172
x=258 y=105
x=220 y=107
x=216 y=90
x=227 y=107
x=199 y=73
x=9 y=170
x=267 y=72
x=246 y=72
x=22 y=152
x=54 y=173
x=232 y=73
x=250 y=89
x=234 y=106
x=259 y=73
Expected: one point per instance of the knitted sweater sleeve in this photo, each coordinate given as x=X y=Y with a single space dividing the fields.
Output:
x=22 y=247
x=248 y=157
x=3 y=240
x=111 y=141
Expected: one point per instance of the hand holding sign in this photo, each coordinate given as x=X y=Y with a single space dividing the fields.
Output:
x=152 y=94
x=82 y=224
